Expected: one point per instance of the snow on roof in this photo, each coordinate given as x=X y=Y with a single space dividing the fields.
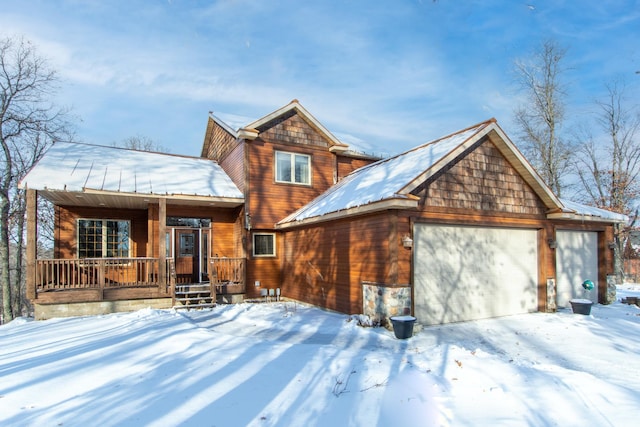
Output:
x=382 y=180
x=581 y=209
x=230 y=126
x=76 y=167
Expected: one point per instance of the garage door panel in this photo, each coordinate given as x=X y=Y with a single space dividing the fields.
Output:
x=576 y=261
x=466 y=273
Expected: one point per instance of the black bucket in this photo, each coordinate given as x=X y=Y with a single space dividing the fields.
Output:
x=581 y=306
x=403 y=326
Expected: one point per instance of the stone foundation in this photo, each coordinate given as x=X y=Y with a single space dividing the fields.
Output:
x=381 y=301
x=48 y=311
x=230 y=299
x=610 y=296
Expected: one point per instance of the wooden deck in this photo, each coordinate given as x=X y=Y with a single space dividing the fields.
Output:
x=113 y=279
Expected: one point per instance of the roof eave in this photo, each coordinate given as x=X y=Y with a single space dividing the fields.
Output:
x=116 y=199
x=574 y=216
x=382 y=205
x=248 y=134
x=194 y=197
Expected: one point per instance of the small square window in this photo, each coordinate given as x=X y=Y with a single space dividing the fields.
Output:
x=264 y=244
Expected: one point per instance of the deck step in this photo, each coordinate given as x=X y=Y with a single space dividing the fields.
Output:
x=193 y=292
x=193 y=296
x=187 y=299
x=198 y=288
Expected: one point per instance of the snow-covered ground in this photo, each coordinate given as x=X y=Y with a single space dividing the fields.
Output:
x=286 y=364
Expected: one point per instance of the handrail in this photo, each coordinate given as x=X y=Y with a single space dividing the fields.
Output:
x=114 y=273
x=106 y=273
x=227 y=270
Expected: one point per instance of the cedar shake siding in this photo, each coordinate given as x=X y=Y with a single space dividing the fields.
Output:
x=483 y=180
x=290 y=128
x=218 y=142
x=233 y=165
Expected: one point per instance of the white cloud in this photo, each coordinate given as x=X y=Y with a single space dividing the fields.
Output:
x=408 y=72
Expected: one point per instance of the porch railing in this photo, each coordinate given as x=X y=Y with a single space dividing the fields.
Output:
x=228 y=274
x=87 y=273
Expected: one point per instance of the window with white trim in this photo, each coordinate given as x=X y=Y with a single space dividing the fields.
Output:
x=293 y=168
x=103 y=238
x=264 y=244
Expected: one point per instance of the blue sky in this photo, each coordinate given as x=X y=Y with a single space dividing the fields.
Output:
x=388 y=75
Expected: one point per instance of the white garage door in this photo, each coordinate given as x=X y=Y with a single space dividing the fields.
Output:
x=467 y=273
x=576 y=261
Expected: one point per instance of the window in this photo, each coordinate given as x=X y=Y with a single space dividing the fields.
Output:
x=187 y=245
x=264 y=244
x=175 y=221
x=293 y=168
x=102 y=238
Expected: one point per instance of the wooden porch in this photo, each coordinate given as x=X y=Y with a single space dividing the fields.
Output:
x=59 y=281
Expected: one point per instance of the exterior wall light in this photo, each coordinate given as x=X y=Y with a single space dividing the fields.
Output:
x=552 y=243
x=407 y=241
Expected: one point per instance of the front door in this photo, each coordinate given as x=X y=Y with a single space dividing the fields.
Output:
x=191 y=254
x=186 y=253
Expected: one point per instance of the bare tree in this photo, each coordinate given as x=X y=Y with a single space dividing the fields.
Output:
x=609 y=167
x=29 y=123
x=142 y=143
x=540 y=119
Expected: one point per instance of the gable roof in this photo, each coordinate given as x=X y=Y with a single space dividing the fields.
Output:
x=295 y=105
x=388 y=183
x=250 y=131
x=109 y=172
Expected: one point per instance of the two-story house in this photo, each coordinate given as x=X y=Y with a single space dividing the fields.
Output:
x=456 y=229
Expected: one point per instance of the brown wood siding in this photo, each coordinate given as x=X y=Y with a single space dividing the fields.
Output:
x=326 y=264
x=233 y=165
x=219 y=142
x=66 y=234
x=292 y=129
x=270 y=202
x=267 y=270
x=346 y=165
x=483 y=181
x=224 y=225
x=153 y=229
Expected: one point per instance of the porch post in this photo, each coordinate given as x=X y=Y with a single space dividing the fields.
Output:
x=162 y=243
x=32 y=242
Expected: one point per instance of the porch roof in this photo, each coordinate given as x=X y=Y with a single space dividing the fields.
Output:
x=84 y=174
